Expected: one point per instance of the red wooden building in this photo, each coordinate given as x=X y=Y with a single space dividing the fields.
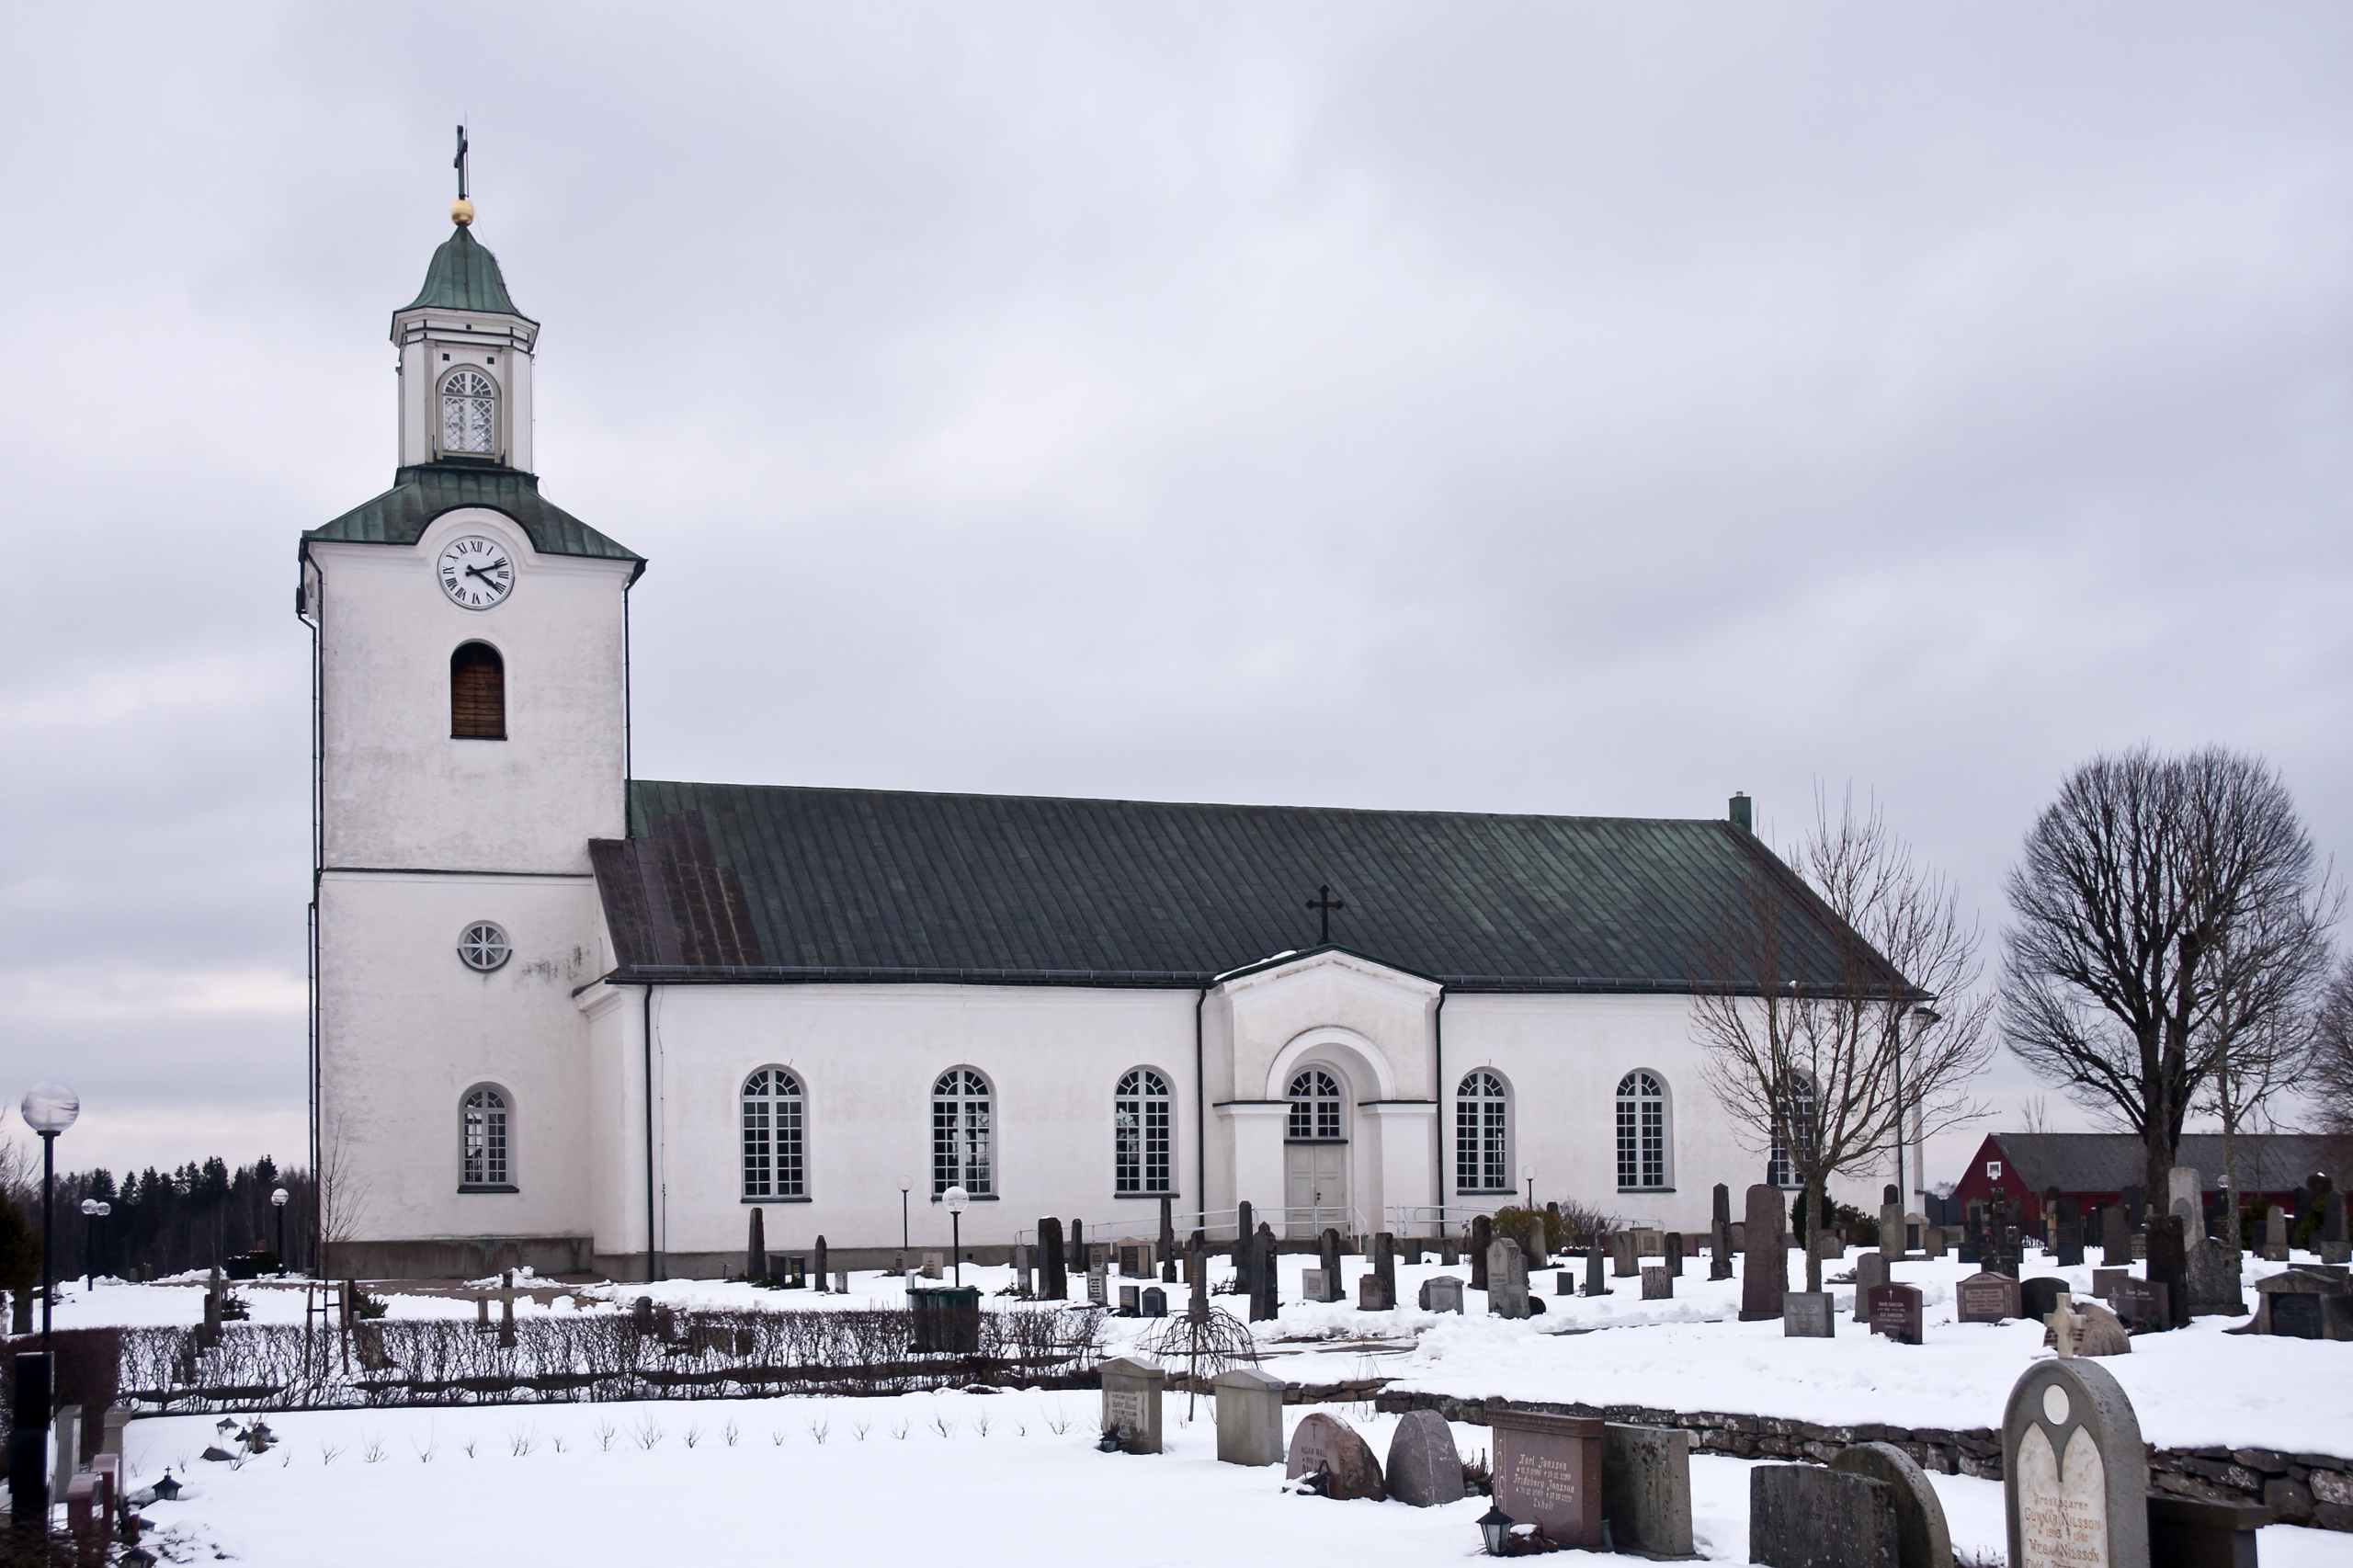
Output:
x=2094 y=1168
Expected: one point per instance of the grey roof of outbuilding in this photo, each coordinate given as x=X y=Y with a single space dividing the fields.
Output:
x=464 y=276
x=422 y=493
x=2109 y=1162
x=723 y=882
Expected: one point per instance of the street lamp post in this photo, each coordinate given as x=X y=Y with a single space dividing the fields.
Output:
x=955 y=1197
x=278 y=1201
x=1528 y=1174
x=94 y=1210
x=49 y=1109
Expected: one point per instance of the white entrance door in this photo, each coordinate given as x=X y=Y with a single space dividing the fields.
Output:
x=1315 y=1189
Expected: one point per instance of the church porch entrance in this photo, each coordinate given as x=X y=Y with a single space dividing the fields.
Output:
x=1315 y=1189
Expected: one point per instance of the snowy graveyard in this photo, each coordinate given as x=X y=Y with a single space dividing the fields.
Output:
x=617 y=1481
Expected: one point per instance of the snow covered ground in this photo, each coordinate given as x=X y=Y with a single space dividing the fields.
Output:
x=987 y=1479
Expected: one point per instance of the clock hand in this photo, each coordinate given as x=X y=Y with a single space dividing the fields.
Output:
x=478 y=572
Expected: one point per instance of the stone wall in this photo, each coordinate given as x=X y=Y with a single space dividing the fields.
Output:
x=2302 y=1489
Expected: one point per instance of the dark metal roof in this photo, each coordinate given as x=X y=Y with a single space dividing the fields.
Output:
x=464 y=276
x=722 y=882
x=422 y=493
x=2109 y=1162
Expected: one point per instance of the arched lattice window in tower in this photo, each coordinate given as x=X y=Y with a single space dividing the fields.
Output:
x=772 y=1153
x=962 y=1133
x=1314 y=1104
x=482 y=1141
x=1140 y=1133
x=1481 y=1119
x=1642 y=1131
x=469 y=413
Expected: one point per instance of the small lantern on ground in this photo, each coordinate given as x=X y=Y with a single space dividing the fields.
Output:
x=955 y=1197
x=1495 y=1527
x=167 y=1489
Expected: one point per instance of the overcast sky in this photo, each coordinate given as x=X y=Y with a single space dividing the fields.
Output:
x=1566 y=409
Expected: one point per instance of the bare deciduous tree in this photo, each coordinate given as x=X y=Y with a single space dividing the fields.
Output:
x=2169 y=928
x=342 y=1196
x=1811 y=1011
x=2328 y=1081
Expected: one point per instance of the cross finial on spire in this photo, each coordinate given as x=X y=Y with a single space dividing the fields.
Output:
x=1323 y=904
x=458 y=162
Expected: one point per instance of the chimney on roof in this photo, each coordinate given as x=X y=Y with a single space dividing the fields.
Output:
x=1740 y=817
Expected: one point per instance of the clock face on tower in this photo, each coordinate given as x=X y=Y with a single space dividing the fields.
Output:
x=476 y=573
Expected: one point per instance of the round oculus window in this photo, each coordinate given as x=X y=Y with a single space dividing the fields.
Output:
x=483 y=946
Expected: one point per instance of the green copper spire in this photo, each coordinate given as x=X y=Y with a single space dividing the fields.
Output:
x=464 y=276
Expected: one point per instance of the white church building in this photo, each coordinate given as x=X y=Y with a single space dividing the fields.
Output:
x=573 y=1019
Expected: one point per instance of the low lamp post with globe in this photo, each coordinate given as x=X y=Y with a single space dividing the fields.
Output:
x=49 y=1109
x=278 y=1201
x=955 y=1197
x=94 y=1210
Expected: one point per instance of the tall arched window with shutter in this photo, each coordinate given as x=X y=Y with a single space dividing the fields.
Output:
x=469 y=414
x=773 y=1167
x=477 y=693
x=962 y=1132
x=1642 y=1133
x=1481 y=1123
x=1140 y=1115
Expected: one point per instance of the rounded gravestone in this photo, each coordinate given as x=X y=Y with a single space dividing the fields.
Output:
x=1425 y=1467
x=1921 y=1539
x=2076 y=1474
x=1322 y=1443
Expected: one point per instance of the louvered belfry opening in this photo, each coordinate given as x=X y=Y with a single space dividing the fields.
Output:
x=477 y=693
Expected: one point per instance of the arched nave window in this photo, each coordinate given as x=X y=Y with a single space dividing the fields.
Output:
x=469 y=413
x=772 y=1162
x=483 y=1144
x=1481 y=1119
x=1314 y=1104
x=1797 y=1127
x=477 y=693
x=962 y=1132
x=1140 y=1133
x=1642 y=1131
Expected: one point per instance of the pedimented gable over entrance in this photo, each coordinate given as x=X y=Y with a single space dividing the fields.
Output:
x=1328 y=1004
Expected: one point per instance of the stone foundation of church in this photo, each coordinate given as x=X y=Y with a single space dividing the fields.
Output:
x=463 y=1257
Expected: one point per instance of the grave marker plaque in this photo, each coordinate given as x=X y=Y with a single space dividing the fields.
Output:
x=1646 y=1489
x=2075 y=1478
x=1801 y=1515
x=1156 y=1303
x=1249 y=1417
x=1132 y=1403
x=1548 y=1470
x=1442 y=1293
x=1658 y=1285
x=1506 y=1279
x=1985 y=1298
x=1809 y=1315
x=1765 y=1263
x=2210 y=1277
x=2140 y=1306
x=1895 y=1312
x=1330 y=1447
x=1312 y=1285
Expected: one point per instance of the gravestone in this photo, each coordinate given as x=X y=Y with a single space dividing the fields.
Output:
x=1079 y=1261
x=1764 y=1266
x=2168 y=1265
x=1739 y=1236
x=1053 y=1284
x=1330 y=1449
x=1424 y=1469
x=1410 y=1249
x=1372 y=1296
x=1506 y=1279
x=1314 y=1285
x=2185 y=1200
x=2275 y=1234
x=1265 y=1299
x=1801 y=1515
x=755 y=1250
x=2304 y=1304
x=1548 y=1473
x=2190 y=1532
x=1098 y=1287
x=841 y=1288
x=2039 y=1295
x=1934 y=1241
x=1915 y=1232
x=2115 y=1236
x=1327 y=1258
x=2069 y=1241
x=1596 y=1280
x=1442 y=1293
x=1646 y=1489
x=1809 y=1315
x=822 y=1272
x=2136 y=1205
x=1384 y=1264
x=1890 y=1224
x=1674 y=1254
x=66 y=1426
x=2098 y=1332
x=1243 y=1231
x=1129 y=1305
x=1535 y=1243
x=1196 y=1305
x=1135 y=1260
x=1154 y=1302
x=1658 y=1285
x=1482 y=1234
x=1922 y=1537
x=1625 y=1255
x=1871 y=1272
x=2211 y=1280
x=2335 y=1248
x=1131 y=1404
x=1168 y=1238
x=2142 y=1307
x=1249 y=1416
x=2075 y=1478
x=2049 y=1230
x=2104 y=1281
x=1985 y=1297
x=1895 y=1312
x=1565 y=1282
x=1720 y=1235
x=932 y=1264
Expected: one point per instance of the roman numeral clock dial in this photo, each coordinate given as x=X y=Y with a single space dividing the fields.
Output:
x=476 y=573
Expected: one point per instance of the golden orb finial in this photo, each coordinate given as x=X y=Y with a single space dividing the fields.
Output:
x=462 y=212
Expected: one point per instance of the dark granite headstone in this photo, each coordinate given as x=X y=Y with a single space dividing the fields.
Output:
x=1922 y=1537
x=1424 y=1469
x=2038 y=1296
x=1720 y=1235
x=819 y=1267
x=2169 y=1264
x=1265 y=1299
x=2074 y=1475
x=1482 y=1234
x=1327 y=1257
x=1154 y=1302
x=1985 y=1297
x=1384 y=1265
x=1801 y=1515
x=2211 y=1278
x=1625 y=1255
x=1646 y=1489
x=2142 y=1307
x=2136 y=1206
x=1765 y=1266
x=2104 y=1281
x=2332 y=1217
x=2190 y=1532
x=1597 y=1275
x=2069 y=1242
x=2115 y=1236
x=1870 y=1271
x=1328 y=1447
x=1658 y=1285
x=1674 y=1254
x=1053 y=1279
x=1548 y=1472
x=1895 y=1312
x=755 y=1250
x=2305 y=1303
